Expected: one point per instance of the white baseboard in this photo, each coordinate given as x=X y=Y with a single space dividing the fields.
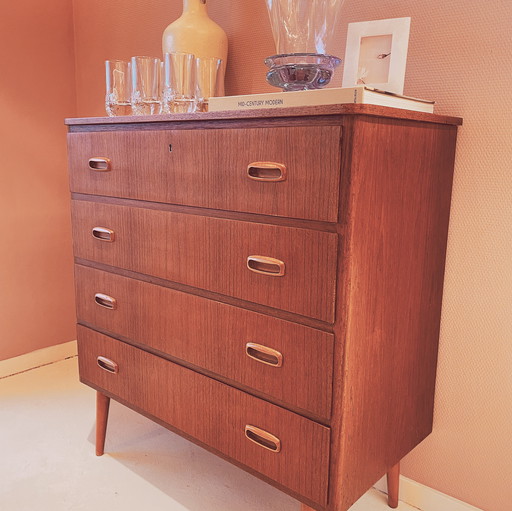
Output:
x=37 y=358
x=425 y=498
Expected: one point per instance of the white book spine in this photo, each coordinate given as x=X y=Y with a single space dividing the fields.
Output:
x=286 y=99
x=334 y=96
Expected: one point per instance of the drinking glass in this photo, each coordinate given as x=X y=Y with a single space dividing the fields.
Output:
x=207 y=73
x=179 y=83
x=118 y=87
x=146 y=85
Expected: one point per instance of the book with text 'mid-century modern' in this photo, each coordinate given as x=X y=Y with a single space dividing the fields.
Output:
x=333 y=96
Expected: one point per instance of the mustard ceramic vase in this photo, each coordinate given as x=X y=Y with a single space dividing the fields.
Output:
x=195 y=32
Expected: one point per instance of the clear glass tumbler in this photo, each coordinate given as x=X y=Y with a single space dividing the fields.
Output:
x=146 y=86
x=118 y=88
x=207 y=74
x=179 y=83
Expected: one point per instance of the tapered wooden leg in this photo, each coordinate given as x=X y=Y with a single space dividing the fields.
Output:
x=393 y=478
x=102 y=406
x=306 y=508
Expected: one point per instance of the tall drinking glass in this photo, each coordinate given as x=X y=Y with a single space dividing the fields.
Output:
x=118 y=87
x=179 y=83
x=146 y=86
x=207 y=74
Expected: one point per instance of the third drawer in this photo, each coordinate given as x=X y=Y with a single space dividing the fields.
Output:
x=288 y=362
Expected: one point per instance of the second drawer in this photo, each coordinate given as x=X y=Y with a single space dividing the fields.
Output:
x=282 y=267
x=286 y=361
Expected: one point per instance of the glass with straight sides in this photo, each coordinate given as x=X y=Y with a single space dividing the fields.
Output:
x=179 y=83
x=146 y=86
x=207 y=74
x=118 y=88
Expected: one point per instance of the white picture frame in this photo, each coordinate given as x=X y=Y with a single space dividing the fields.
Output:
x=376 y=54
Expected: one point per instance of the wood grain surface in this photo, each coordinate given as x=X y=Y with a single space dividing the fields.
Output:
x=363 y=249
x=211 y=253
x=393 y=482
x=229 y=300
x=213 y=413
x=202 y=168
x=213 y=336
x=312 y=113
x=397 y=183
x=217 y=213
x=102 y=407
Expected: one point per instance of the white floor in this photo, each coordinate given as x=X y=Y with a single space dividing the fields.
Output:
x=47 y=459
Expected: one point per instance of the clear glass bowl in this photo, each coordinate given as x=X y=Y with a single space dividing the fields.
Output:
x=300 y=71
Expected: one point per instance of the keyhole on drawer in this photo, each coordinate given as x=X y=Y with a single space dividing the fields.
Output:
x=170 y=148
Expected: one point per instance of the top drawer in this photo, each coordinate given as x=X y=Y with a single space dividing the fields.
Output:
x=294 y=171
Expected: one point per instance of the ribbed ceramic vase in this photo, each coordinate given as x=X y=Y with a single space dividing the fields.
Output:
x=195 y=32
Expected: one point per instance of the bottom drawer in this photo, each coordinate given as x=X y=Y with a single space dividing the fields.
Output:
x=281 y=445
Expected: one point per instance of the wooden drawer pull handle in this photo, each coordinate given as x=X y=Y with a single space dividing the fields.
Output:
x=105 y=301
x=266 y=171
x=266 y=265
x=100 y=164
x=263 y=438
x=108 y=365
x=264 y=354
x=103 y=234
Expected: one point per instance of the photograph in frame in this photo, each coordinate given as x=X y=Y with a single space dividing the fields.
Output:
x=376 y=54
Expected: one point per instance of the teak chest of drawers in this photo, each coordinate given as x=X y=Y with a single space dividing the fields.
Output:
x=267 y=284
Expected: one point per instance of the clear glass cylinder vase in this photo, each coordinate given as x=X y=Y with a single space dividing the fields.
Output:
x=303 y=32
x=303 y=26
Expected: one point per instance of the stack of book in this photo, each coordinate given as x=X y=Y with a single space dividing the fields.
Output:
x=333 y=96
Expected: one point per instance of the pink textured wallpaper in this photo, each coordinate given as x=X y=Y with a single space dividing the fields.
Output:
x=37 y=91
x=460 y=54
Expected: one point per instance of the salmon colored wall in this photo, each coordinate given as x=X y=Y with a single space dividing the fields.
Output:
x=37 y=91
x=460 y=55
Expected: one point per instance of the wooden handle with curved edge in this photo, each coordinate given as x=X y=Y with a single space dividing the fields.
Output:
x=105 y=301
x=103 y=234
x=264 y=354
x=267 y=171
x=107 y=365
x=263 y=438
x=100 y=164
x=266 y=265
